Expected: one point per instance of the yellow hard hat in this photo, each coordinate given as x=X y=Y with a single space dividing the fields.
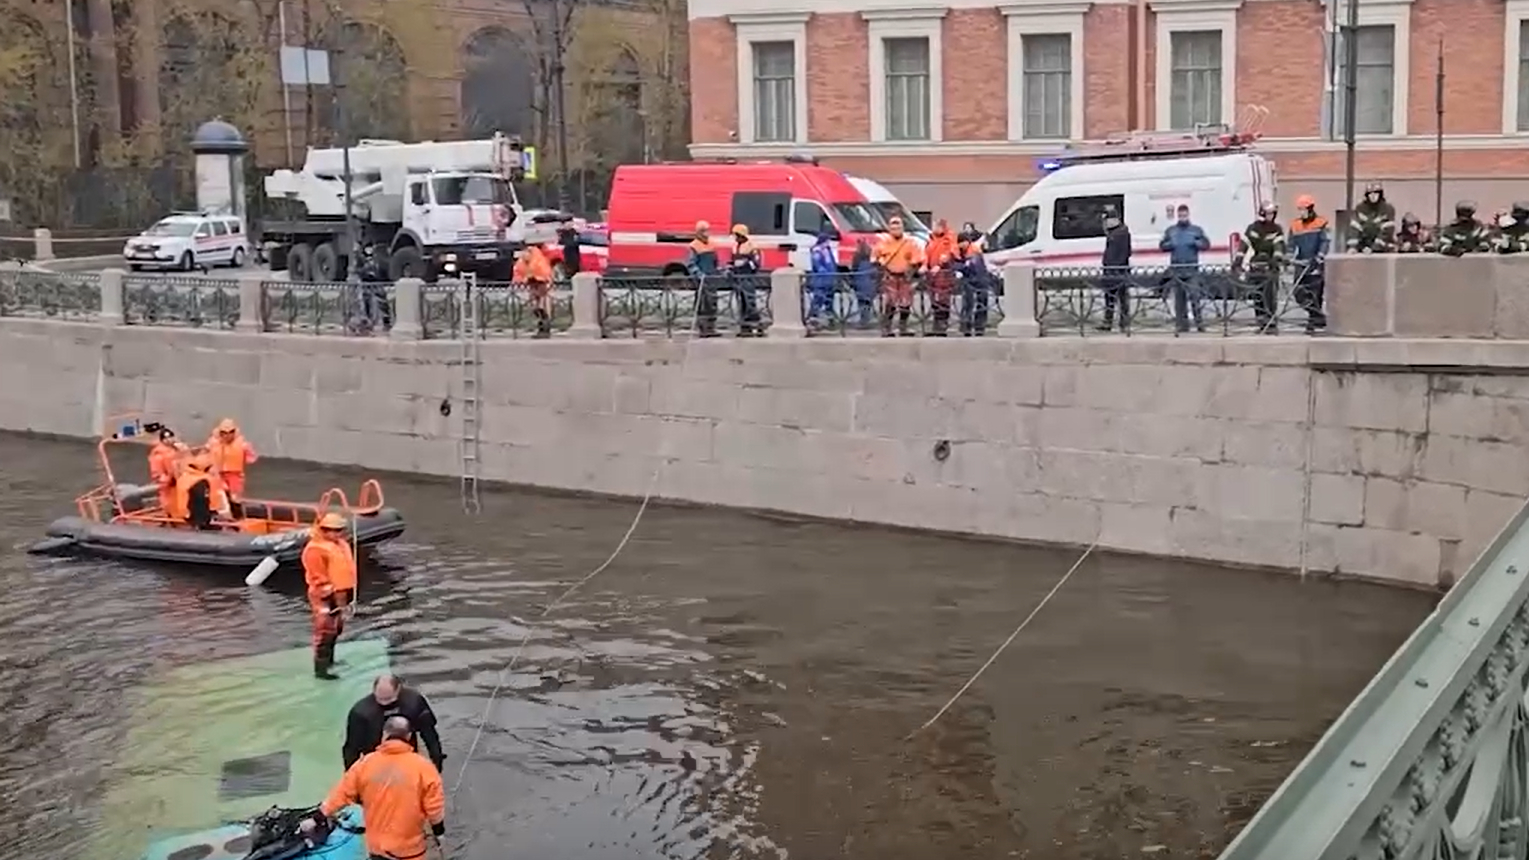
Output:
x=227 y=425
x=332 y=522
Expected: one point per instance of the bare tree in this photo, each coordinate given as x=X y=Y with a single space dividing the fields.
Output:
x=552 y=28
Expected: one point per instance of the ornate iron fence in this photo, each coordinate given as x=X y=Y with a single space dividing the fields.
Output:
x=868 y=303
x=632 y=307
x=360 y=310
x=50 y=295
x=504 y=310
x=1218 y=299
x=179 y=301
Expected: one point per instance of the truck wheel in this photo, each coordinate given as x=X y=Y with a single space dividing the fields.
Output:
x=406 y=262
x=327 y=267
x=300 y=264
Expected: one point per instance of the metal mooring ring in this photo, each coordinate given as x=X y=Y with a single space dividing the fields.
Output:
x=942 y=450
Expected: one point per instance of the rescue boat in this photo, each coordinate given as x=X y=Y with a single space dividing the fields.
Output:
x=126 y=521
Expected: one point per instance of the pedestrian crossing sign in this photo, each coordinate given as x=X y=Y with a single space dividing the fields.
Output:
x=528 y=161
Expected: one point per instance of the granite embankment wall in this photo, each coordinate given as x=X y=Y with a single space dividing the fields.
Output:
x=1391 y=458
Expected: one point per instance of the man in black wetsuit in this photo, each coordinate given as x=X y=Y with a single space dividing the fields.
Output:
x=390 y=698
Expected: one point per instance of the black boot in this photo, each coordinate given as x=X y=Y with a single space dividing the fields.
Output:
x=903 y=314
x=543 y=324
x=323 y=661
x=321 y=670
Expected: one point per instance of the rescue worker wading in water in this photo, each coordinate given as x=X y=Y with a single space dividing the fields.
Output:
x=400 y=794
x=534 y=270
x=329 y=568
x=899 y=259
x=231 y=454
x=164 y=467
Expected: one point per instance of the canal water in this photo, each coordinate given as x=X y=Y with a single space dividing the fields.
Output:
x=733 y=686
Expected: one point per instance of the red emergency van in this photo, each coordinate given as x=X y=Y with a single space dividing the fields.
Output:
x=785 y=204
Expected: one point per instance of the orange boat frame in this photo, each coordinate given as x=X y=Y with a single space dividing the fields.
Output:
x=101 y=504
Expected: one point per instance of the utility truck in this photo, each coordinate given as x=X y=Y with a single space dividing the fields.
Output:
x=419 y=210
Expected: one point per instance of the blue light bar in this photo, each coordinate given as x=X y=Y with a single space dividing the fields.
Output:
x=1049 y=165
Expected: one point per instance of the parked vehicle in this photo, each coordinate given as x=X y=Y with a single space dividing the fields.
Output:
x=426 y=209
x=886 y=203
x=784 y=204
x=188 y=241
x=1143 y=178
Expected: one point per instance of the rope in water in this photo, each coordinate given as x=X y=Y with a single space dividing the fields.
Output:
x=1012 y=636
x=642 y=508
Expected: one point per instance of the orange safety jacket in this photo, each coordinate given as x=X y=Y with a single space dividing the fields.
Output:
x=533 y=268
x=217 y=497
x=400 y=794
x=230 y=458
x=329 y=566
x=899 y=255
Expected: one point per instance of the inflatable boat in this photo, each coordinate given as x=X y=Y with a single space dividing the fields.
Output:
x=126 y=520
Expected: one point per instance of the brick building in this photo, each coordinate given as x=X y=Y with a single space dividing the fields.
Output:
x=952 y=105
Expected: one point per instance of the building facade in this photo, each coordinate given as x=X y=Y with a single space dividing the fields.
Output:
x=953 y=105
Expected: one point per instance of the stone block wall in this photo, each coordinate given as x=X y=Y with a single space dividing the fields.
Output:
x=1427 y=295
x=1392 y=459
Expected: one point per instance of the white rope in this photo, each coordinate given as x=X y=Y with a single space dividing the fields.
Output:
x=1012 y=636
x=647 y=497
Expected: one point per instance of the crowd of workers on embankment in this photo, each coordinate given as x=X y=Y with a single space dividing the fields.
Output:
x=1271 y=249
x=948 y=263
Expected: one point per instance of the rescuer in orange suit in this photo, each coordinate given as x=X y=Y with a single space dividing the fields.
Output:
x=400 y=794
x=231 y=453
x=164 y=467
x=940 y=255
x=899 y=259
x=329 y=568
x=199 y=494
x=534 y=270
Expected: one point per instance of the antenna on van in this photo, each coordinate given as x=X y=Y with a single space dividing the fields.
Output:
x=1205 y=139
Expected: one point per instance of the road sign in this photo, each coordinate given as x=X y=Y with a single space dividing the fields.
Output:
x=528 y=161
x=304 y=67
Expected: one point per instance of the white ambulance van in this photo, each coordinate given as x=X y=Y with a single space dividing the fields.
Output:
x=888 y=206
x=1059 y=222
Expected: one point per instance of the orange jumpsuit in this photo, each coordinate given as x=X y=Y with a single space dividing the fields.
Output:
x=329 y=569
x=940 y=255
x=535 y=272
x=230 y=458
x=164 y=460
x=400 y=794
x=185 y=483
x=899 y=258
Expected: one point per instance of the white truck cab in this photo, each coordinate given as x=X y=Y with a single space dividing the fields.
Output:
x=189 y=241
x=1058 y=222
x=418 y=210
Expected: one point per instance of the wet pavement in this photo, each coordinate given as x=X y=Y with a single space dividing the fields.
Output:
x=733 y=686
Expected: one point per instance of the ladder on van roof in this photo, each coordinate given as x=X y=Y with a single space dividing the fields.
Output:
x=1204 y=139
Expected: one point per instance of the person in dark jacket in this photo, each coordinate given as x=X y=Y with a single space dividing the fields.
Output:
x=390 y=698
x=1309 y=243
x=1116 y=279
x=573 y=256
x=1184 y=240
x=1262 y=262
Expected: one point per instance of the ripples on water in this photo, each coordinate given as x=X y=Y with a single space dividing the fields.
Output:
x=732 y=686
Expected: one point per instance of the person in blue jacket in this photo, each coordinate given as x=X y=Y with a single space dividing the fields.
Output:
x=822 y=283
x=1184 y=240
x=1309 y=244
x=976 y=281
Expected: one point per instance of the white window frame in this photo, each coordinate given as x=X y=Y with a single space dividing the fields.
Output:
x=1195 y=16
x=770 y=27
x=1517 y=13
x=1046 y=19
x=1396 y=14
x=927 y=23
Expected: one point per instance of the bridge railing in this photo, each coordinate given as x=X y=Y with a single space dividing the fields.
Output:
x=1431 y=761
x=1025 y=302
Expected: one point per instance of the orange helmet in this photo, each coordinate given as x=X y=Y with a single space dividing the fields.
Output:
x=1306 y=201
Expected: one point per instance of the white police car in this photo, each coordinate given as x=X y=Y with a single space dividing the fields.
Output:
x=189 y=242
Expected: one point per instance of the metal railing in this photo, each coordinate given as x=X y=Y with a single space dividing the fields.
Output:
x=179 y=301
x=939 y=304
x=326 y=308
x=633 y=307
x=504 y=310
x=1175 y=300
x=49 y=295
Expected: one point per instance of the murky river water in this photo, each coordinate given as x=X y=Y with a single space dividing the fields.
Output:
x=1150 y=704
